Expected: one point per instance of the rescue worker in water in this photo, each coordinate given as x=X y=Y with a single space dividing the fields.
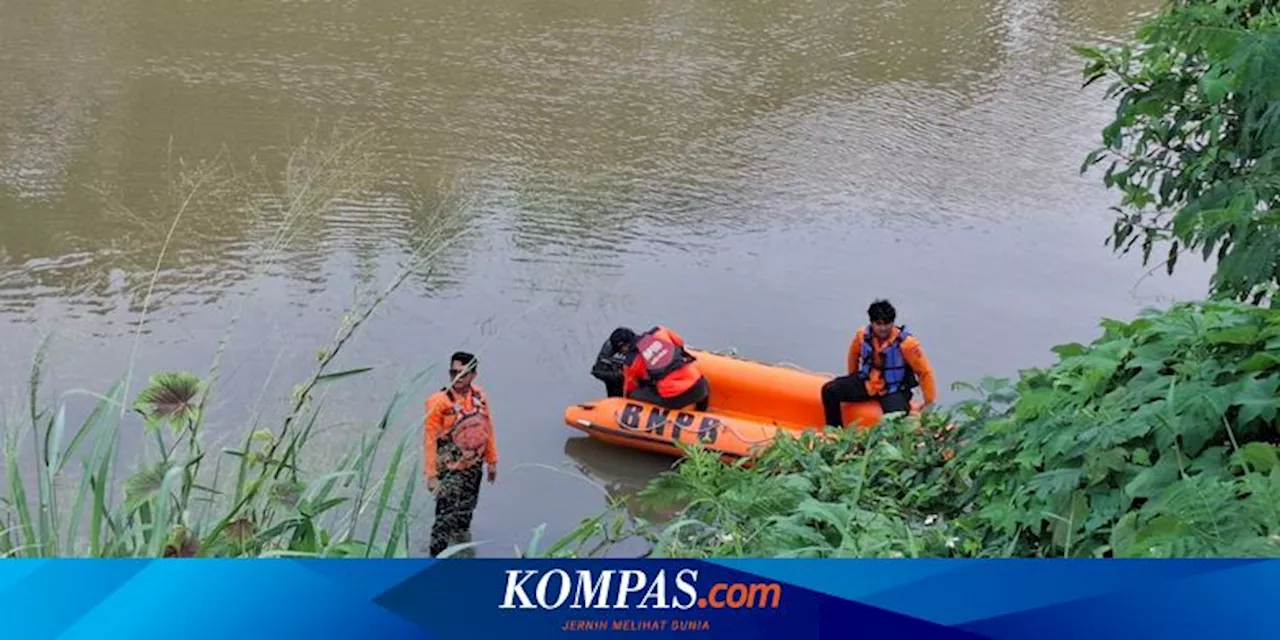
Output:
x=885 y=363
x=659 y=371
x=458 y=440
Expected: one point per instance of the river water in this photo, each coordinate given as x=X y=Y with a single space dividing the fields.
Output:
x=752 y=173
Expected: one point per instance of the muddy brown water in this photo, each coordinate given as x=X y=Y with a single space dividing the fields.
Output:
x=751 y=173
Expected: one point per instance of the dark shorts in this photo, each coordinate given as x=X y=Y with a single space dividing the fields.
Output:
x=699 y=394
x=853 y=389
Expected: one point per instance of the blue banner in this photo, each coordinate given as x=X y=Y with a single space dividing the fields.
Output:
x=738 y=599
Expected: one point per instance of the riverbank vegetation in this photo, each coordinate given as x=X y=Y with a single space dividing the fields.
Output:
x=1158 y=439
x=1194 y=147
x=70 y=492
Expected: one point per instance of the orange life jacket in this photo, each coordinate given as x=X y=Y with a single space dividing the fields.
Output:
x=466 y=439
x=660 y=354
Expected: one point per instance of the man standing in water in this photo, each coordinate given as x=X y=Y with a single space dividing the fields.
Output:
x=458 y=441
x=885 y=363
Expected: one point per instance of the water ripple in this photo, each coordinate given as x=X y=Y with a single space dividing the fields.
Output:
x=591 y=135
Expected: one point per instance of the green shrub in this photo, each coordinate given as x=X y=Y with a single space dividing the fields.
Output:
x=1156 y=440
x=1195 y=143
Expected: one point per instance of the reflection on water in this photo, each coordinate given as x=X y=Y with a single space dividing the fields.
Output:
x=622 y=476
x=751 y=173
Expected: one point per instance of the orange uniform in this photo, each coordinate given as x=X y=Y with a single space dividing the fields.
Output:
x=673 y=384
x=442 y=416
x=912 y=352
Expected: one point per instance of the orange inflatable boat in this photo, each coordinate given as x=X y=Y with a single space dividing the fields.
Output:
x=750 y=402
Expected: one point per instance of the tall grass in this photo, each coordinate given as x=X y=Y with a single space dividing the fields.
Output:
x=255 y=499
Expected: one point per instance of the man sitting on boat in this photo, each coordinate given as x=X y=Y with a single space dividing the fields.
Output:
x=885 y=363
x=659 y=371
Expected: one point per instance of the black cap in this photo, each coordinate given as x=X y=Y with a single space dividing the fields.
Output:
x=622 y=336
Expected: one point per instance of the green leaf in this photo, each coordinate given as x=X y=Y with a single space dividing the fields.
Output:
x=337 y=375
x=1105 y=506
x=1261 y=361
x=1212 y=460
x=1098 y=467
x=388 y=484
x=1056 y=481
x=143 y=484
x=53 y=438
x=1257 y=399
x=160 y=528
x=1141 y=456
x=1070 y=349
x=1214 y=85
x=400 y=527
x=889 y=452
x=315 y=510
x=835 y=514
x=1124 y=534
x=1152 y=480
x=795 y=534
x=104 y=409
x=794 y=483
x=1070 y=521
x=1239 y=335
x=305 y=538
x=348 y=549
x=1162 y=528
x=170 y=397
x=1260 y=456
x=1086 y=51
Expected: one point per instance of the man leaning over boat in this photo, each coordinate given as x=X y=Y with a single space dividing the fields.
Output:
x=611 y=359
x=886 y=367
x=656 y=369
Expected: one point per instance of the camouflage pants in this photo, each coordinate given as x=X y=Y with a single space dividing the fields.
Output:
x=455 y=504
